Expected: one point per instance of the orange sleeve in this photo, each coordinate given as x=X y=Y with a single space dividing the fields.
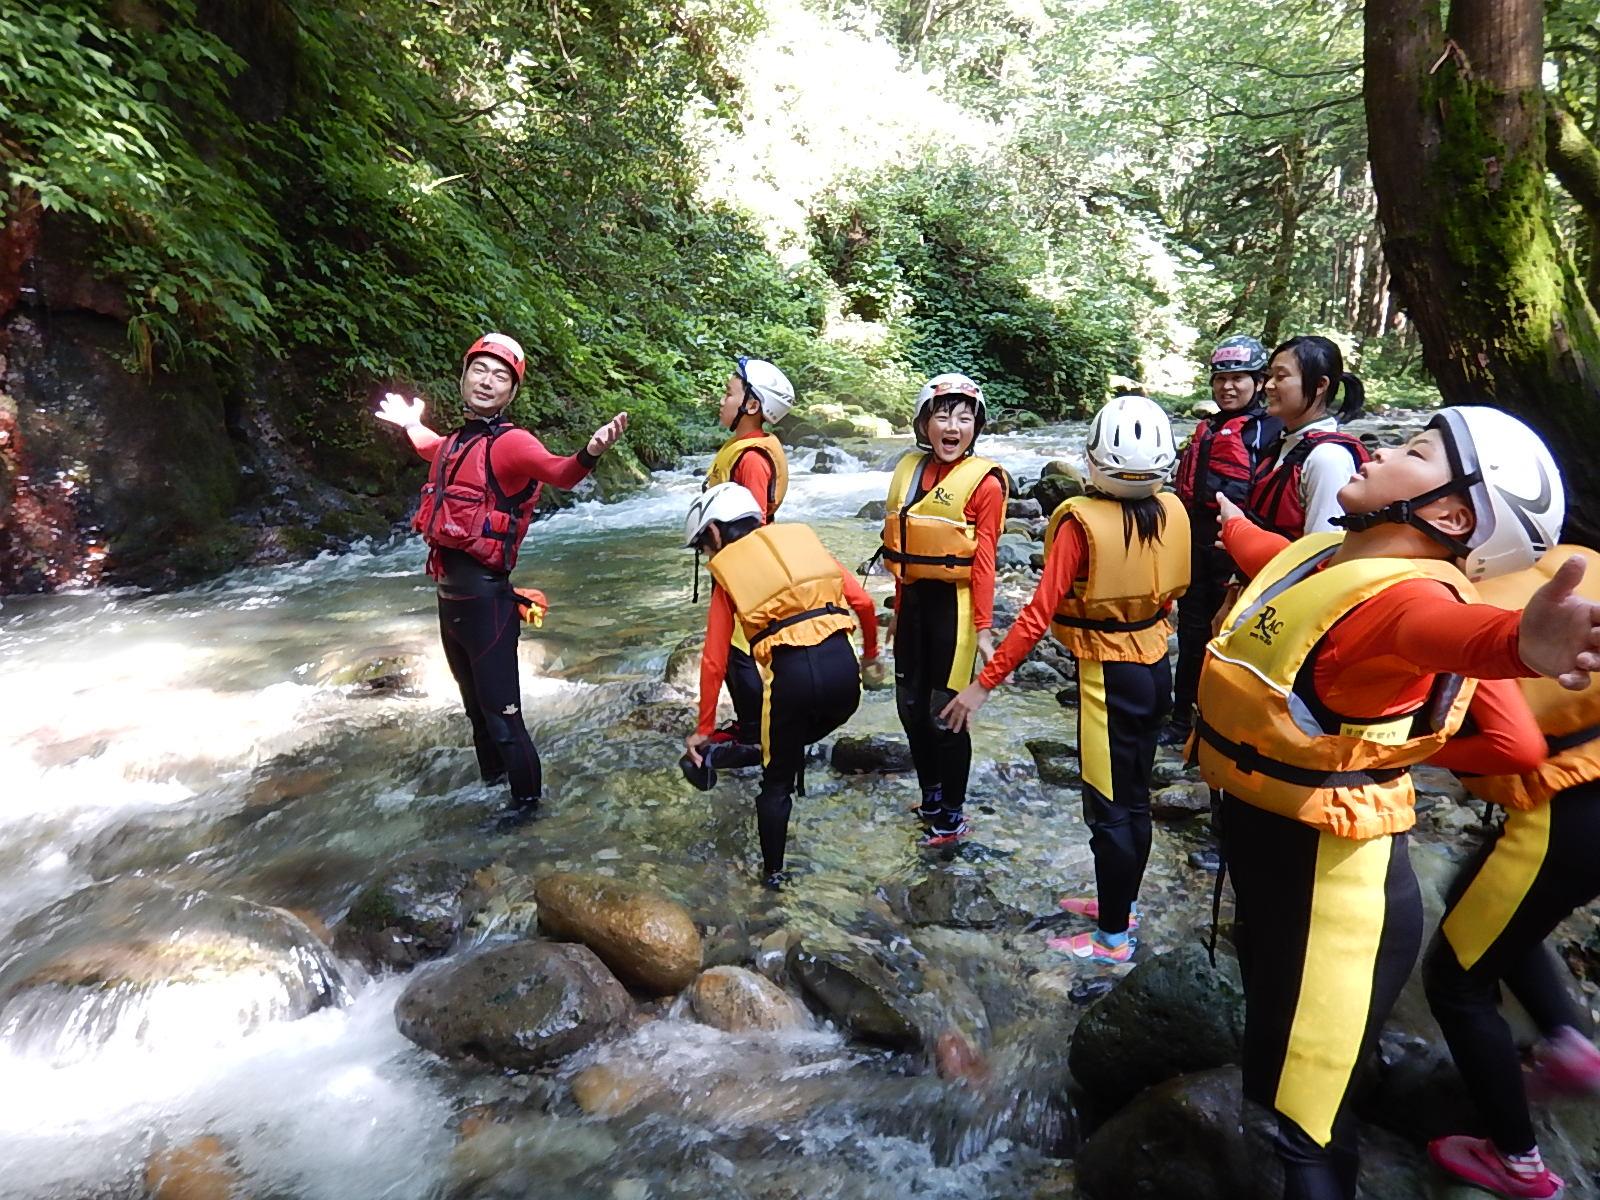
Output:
x=1250 y=546
x=866 y=612
x=1067 y=553
x=753 y=471
x=1505 y=738
x=714 y=658
x=986 y=510
x=1425 y=623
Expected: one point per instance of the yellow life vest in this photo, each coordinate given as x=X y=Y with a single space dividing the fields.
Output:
x=1119 y=612
x=1261 y=733
x=928 y=536
x=785 y=587
x=1570 y=721
x=721 y=469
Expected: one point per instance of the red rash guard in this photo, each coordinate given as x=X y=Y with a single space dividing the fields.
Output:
x=519 y=459
x=719 y=632
x=754 y=473
x=1380 y=660
x=986 y=510
x=1069 y=557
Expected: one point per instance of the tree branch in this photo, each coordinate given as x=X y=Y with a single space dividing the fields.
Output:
x=1574 y=160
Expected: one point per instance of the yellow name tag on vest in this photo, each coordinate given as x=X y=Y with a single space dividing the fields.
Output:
x=1385 y=733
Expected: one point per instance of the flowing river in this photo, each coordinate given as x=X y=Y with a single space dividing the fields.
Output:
x=177 y=762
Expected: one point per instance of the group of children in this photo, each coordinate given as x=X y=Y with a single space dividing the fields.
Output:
x=1330 y=638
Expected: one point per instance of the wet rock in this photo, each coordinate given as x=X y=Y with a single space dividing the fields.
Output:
x=1057 y=762
x=1179 y=1139
x=1037 y=676
x=517 y=1006
x=830 y=461
x=1180 y=800
x=202 y=1169
x=1013 y=552
x=1173 y=1014
x=372 y=670
x=610 y=1088
x=1436 y=783
x=951 y=897
x=772 y=955
x=1018 y=529
x=683 y=664
x=872 y=510
x=849 y=984
x=736 y=1001
x=1027 y=510
x=856 y=755
x=133 y=960
x=1054 y=487
x=956 y=1058
x=648 y=939
x=413 y=913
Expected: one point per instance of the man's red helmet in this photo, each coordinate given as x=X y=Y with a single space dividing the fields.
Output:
x=502 y=347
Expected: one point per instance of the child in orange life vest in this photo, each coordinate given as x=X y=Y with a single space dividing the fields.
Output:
x=757 y=395
x=1348 y=659
x=793 y=600
x=476 y=508
x=1114 y=562
x=1540 y=865
x=940 y=527
x=1298 y=477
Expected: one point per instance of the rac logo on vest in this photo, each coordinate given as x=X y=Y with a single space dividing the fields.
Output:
x=1267 y=625
x=940 y=496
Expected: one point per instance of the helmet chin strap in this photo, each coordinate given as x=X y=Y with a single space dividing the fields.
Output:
x=1404 y=512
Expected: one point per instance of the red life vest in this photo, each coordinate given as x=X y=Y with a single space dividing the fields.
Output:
x=1231 y=459
x=464 y=507
x=1275 y=495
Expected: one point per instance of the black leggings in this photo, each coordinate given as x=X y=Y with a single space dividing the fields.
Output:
x=935 y=645
x=811 y=691
x=1120 y=710
x=480 y=644
x=745 y=689
x=1327 y=931
x=1209 y=570
x=1539 y=867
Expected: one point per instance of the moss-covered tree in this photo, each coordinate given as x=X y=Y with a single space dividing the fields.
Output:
x=1457 y=125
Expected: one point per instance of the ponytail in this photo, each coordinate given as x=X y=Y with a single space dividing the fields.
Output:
x=1355 y=397
x=1319 y=359
x=1143 y=516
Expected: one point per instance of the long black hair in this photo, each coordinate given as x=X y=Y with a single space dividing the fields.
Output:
x=1319 y=359
x=1145 y=517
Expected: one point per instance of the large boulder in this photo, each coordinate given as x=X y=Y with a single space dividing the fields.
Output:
x=517 y=1006
x=1179 y=1141
x=831 y=461
x=1013 y=552
x=1027 y=510
x=848 y=983
x=1173 y=1014
x=951 y=897
x=855 y=755
x=648 y=939
x=412 y=913
x=1054 y=486
x=872 y=510
x=737 y=1000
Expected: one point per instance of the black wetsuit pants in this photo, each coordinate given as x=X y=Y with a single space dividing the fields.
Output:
x=1540 y=866
x=480 y=644
x=745 y=689
x=1209 y=572
x=811 y=691
x=1120 y=709
x=935 y=645
x=1327 y=932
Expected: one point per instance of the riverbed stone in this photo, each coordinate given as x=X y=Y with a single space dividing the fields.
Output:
x=683 y=663
x=200 y=1169
x=517 y=1006
x=855 y=755
x=1026 y=509
x=1056 y=761
x=872 y=510
x=1013 y=551
x=413 y=912
x=1173 y=1014
x=849 y=984
x=951 y=897
x=647 y=938
x=737 y=1000
x=1180 y=1139
x=1055 y=486
x=1180 y=800
x=830 y=461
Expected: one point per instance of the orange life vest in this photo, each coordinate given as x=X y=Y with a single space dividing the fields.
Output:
x=926 y=535
x=1263 y=735
x=1119 y=613
x=785 y=587
x=732 y=450
x=1570 y=721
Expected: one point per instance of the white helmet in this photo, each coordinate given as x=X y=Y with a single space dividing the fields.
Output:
x=1130 y=448
x=727 y=502
x=770 y=387
x=950 y=383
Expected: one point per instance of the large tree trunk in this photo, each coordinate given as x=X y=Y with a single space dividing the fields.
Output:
x=1290 y=205
x=1456 y=128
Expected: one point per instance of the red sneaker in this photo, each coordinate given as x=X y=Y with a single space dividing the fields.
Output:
x=945 y=837
x=1479 y=1163
x=1089 y=908
x=1089 y=945
x=1567 y=1062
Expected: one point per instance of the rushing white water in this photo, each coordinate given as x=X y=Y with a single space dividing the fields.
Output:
x=165 y=736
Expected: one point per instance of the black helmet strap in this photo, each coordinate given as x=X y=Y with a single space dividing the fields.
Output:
x=1404 y=512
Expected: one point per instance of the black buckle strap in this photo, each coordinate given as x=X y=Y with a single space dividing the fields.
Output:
x=1568 y=741
x=1252 y=762
x=1108 y=626
x=825 y=611
x=927 y=560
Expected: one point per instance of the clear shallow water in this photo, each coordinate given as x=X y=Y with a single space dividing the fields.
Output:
x=212 y=740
